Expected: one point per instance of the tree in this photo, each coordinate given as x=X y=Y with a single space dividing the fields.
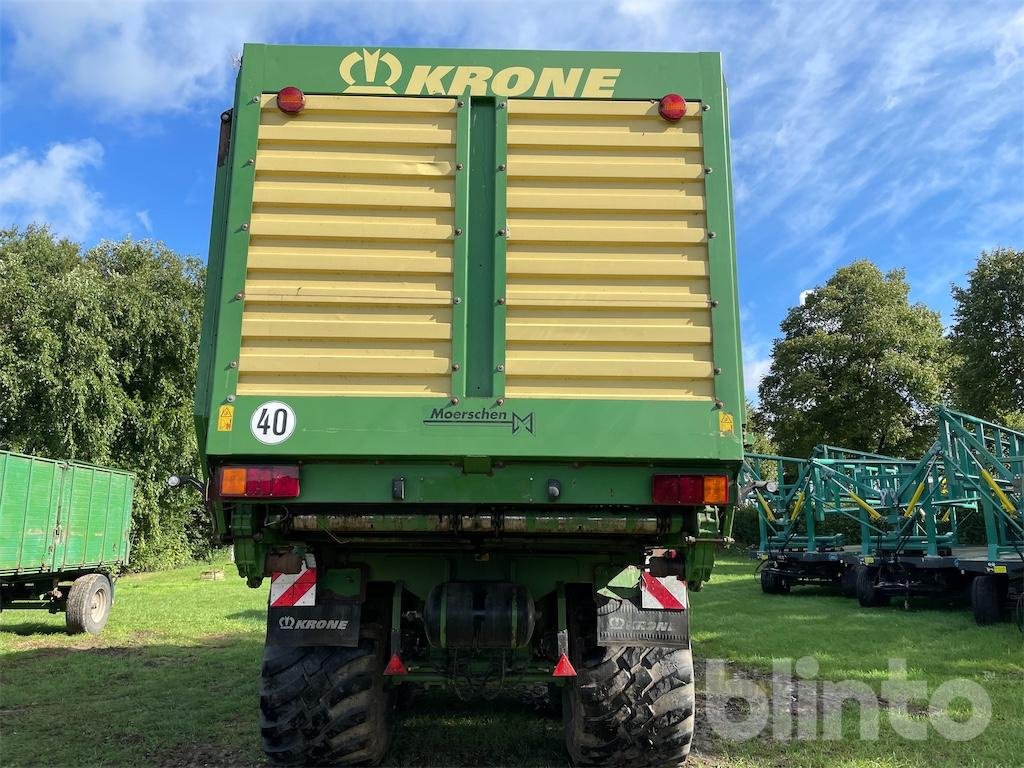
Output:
x=97 y=363
x=988 y=338
x=857 y=366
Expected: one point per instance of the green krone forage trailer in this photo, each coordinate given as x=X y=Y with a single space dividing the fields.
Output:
x=470 y=383
x=64 y=535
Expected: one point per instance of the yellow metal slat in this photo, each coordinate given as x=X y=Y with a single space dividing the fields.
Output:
x=350 y=385
x=549 y=227
x=523 y=196
x=573 y=164
x=348 y=104
x=574 y=109
x=366 y=256
x=421 y=194
x=584 y=136
x=321 y=161
x=609 y=389
x=606 y=334
x=345 y=133
x=361 y=225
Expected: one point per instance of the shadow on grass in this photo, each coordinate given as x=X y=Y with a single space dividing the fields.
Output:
x=173 y=706
x=32 y=628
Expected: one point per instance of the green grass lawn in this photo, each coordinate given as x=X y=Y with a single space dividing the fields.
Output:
x=173 y=681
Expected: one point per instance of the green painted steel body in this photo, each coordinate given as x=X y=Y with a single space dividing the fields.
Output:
x=394 y=427
x=475 y=466
x=59 y=517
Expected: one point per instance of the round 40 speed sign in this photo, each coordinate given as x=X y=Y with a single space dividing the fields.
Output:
x=272 y=422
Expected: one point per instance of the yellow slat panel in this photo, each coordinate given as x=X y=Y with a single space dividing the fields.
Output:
x=586 y=264
x=357 y=225
x=325 y=329
x=624 y=354
x=349 y=275
x=322 y=161
x=576 y=108
x=351 y=134
x=538 y=227
x=598 y=136
x=533 y=197
x=439 y=194
x=610 y=389
x=351 y=385
x=607 y=267
x=317 y=287
x=606 y=334
x=341 y=258
x=383 y=104
x=359 y=362
x=573 y=164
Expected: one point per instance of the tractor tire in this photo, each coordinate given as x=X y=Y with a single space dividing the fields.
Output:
x=867 y=595
x=988 y=594
x=772 y=583
x=848 y=582
x=631 y=708
x=325 y=705
x=88 y=605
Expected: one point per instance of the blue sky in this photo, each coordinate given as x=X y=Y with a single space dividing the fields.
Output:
x=892 y=131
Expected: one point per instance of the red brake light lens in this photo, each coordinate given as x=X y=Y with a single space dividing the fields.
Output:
x=672 y=107
x=291 y=100
x=259 y=482
x=690 y=490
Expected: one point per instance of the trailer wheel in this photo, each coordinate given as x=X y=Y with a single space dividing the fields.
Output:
x=325 y=705
x=631 y=707
x=848 y=582
x=867 y=593
x=988 y=593
x=772 y=583
x=88 y=605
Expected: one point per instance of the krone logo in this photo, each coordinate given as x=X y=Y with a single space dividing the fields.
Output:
x=370 y=61
x=286 y=622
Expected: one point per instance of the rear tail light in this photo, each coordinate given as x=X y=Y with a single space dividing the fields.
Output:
x=716 y=489
x=672 y=107
x=259 y=482
x=291 y=100
x=690 y=489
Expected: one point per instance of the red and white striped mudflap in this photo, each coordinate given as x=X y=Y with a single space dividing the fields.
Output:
x=292 y=589
x=664 y=592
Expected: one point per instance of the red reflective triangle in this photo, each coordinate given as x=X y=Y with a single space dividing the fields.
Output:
x=564 y=667
x=395 y=666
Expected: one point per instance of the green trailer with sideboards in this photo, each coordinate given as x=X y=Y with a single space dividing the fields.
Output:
x=64 y=536
x=470 y=385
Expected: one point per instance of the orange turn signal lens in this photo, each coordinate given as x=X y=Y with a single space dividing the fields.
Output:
x=716 y=489
x=232 y=481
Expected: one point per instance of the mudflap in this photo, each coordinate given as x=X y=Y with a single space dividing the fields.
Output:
x=622 y=622
x=330 y=623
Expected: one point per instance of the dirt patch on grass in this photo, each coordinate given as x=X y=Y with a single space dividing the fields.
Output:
x=207 y=755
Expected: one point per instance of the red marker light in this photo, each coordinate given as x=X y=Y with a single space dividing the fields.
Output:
x=291 y=100
x=672 y=107
x=564 y=667
x=396 y=666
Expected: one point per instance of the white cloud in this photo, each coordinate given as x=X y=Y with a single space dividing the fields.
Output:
x=144 y=220
x=135 y=58
x=53 y=189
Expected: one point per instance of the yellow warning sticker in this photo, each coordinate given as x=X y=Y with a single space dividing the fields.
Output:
x=726 y=423
x=225 y=418
x=868 y=560
x=999 y=569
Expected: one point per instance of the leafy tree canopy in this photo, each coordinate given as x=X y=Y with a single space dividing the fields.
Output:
x=988 y=338
x=98 y=357
x=857 y=366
